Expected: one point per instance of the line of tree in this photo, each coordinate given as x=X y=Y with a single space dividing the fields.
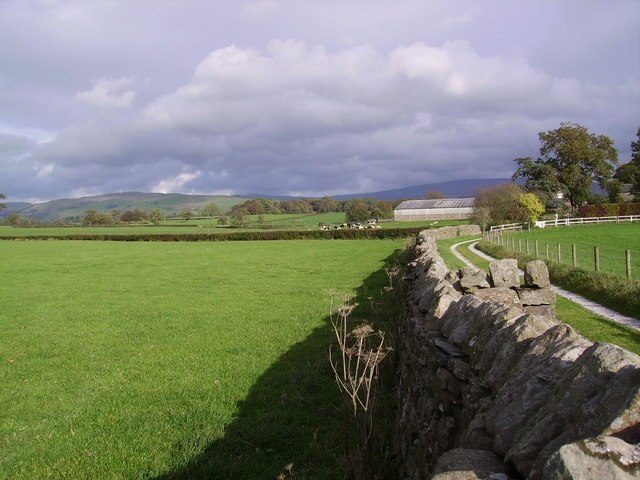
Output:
x=356 y=209
x=14 y=219
x=93 y=217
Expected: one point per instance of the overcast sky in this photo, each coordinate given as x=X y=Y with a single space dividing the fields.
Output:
x=301 y=98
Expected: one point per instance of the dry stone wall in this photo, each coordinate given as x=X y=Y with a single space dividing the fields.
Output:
x=492 y=386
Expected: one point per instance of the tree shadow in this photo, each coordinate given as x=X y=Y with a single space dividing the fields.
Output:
x=293 y=415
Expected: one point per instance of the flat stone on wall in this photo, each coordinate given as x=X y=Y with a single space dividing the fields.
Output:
x=504 y=273
x=536 y=274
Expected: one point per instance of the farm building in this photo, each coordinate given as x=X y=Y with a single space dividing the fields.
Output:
x=441 y=209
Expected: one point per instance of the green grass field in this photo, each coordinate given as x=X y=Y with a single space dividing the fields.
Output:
x=592 y=326
x=174 y=360
x=210 y=225
x=612 y=240
x=309 y=220
x=297 y=221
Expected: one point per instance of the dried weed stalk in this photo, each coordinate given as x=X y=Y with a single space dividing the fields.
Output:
x=355 y=365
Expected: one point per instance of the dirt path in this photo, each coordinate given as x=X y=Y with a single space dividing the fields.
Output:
x=574 y=297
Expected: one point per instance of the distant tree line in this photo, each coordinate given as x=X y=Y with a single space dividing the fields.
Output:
x=356 y=210
x=93 y=217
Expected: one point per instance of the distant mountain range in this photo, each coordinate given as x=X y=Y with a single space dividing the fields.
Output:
x=74 y=208
x=172 y=203
x=452 y=189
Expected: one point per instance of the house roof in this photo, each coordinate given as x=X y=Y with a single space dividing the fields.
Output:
x=439 y=203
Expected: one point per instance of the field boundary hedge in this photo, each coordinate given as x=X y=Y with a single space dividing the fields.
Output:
x=233 y=236
x=609 y=210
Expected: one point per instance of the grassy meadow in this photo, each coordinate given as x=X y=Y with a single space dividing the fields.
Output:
x=611 y=238
x=175 y=360
x=210 y=225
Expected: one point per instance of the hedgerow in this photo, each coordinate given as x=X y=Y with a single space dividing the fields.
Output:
x=235 y=236
x=609 y=210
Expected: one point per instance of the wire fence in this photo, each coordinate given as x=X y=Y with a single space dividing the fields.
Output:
x=587 y=256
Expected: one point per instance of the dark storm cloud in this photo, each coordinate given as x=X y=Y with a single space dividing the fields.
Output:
x=203 y=97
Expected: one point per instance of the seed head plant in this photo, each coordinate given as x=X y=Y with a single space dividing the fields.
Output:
x=355 y=366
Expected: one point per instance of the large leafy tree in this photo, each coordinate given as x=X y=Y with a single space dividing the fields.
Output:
x=635 y=158
x=571 y=159
x=327 y=204
x=503 y=203
x=211 y=209
x=630 y=171
x=93 y=217
x=157 y=216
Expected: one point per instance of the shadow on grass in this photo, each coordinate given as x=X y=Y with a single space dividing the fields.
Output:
x=294 y=414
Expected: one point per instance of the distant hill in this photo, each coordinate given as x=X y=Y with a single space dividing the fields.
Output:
x=14 y=207
x=74 y=208
x=171 y=203
x=452 y=189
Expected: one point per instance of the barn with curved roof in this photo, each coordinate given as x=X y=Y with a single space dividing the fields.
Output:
x=441 y=209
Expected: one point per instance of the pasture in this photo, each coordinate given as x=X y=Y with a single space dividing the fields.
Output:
x=175 y=360
x=210 y=225
x=612 y=240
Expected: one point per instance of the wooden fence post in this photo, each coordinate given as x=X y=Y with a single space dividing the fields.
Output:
x=574 y=255
x=546 y=250
x=627 y=254
x=537 y=249
x=559 y=253
x=596 y=258
x=527 y=246
x=520 y=245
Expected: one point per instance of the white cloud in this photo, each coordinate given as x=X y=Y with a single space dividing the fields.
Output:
x=111 y=93
x=422 y=62
x=175 y=183
x=44 y=170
